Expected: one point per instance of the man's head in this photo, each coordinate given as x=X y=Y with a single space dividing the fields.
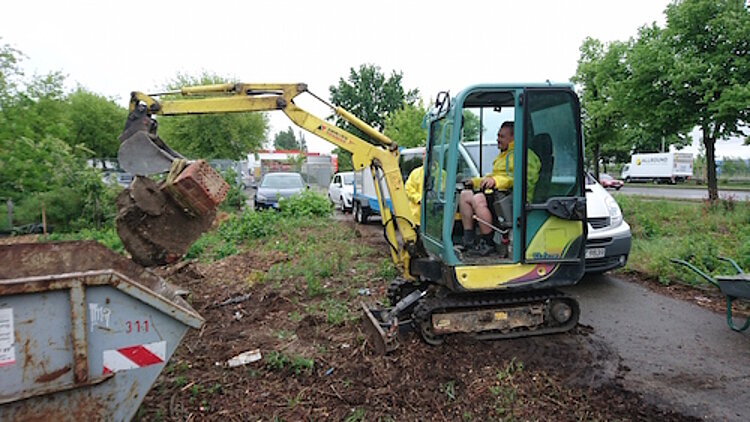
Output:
x=505 y=135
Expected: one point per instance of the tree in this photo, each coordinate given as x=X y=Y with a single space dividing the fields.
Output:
x=404 y=126
x=470 y=126
x=695 y=72
x=35 y=109
x=370 y=96
x=10 y=72
x=287 y=140
x=95 y=121
x=598 y=76
x=227 y=135
x=37 y=167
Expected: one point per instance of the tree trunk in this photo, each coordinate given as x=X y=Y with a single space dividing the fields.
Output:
x=597 y=151
x=709 y=143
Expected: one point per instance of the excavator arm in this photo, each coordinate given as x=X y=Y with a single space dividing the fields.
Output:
x=142 y=152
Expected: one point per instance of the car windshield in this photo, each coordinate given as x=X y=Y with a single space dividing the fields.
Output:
x=590 y=179
x=347 y=178
x=282 y=181
x=605 y=176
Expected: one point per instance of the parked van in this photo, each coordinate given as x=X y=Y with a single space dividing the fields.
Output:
x=609 y=239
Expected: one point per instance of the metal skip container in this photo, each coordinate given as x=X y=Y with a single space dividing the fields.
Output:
x=84 y=332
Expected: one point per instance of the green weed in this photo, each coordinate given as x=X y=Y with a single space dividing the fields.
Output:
x=285 y=334
x=276 y=360
x=337 y=312
x=293 y=402
x=449 y=389
x=295 y=316
x=196 y=389
x=357 y=415
x=505 y=390
x=301 y=364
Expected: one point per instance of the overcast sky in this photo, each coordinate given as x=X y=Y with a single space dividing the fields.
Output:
x=114 y=47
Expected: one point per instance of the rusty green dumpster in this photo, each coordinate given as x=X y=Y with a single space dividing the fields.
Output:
x=84 y=332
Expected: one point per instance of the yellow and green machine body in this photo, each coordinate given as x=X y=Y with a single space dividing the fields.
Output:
x=548 y=227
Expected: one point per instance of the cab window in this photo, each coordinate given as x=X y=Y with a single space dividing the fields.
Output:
x=435 y=185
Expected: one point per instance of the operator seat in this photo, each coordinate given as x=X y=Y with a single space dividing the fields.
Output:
x=541 y=144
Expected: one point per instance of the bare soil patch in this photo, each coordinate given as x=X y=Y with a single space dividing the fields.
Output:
x=318 y=365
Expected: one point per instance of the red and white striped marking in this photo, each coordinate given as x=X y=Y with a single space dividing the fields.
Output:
x=131 y=357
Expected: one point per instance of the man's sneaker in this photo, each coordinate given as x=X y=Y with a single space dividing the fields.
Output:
x=483 y=248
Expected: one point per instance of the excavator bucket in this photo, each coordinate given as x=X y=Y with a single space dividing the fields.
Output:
x=140 y=155
x=142 y=152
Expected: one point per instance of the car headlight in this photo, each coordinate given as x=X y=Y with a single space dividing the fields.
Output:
x=615 y=214
x=260 y=197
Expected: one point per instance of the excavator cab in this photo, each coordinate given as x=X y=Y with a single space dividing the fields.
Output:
x=543 y=218
x=541 y=221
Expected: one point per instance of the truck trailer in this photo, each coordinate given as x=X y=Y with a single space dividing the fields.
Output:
x=664 y=167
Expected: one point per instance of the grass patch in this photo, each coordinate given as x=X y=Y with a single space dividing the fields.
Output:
x=107 y=237
x=697 y=232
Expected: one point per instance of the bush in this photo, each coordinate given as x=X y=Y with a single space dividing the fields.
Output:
x=235 y=199
x=306 y=204
x=51 y=172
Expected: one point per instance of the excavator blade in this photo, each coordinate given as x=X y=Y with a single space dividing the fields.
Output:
x=139 y=155
x=383 y=335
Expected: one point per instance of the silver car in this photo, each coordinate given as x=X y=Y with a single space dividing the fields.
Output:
x=275 y=186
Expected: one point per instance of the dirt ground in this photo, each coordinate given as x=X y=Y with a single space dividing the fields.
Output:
x=316 y=369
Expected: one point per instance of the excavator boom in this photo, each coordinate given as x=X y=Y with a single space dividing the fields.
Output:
x=143 y=153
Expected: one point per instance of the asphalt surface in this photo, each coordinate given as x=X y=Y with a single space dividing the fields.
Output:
x=673 y=352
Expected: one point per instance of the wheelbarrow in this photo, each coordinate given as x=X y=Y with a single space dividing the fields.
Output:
x=732 y=286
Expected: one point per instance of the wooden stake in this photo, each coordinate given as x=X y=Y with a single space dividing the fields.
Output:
x=44 y=221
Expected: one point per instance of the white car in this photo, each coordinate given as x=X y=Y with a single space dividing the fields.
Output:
x=341 y=190
x=608 y=240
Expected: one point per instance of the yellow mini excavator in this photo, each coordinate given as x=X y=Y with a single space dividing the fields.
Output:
x=539 y=225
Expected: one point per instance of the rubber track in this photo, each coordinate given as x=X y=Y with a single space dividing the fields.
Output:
x=424 y=310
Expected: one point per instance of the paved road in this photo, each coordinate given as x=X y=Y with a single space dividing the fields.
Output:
x=675 y=352
x=635 y=189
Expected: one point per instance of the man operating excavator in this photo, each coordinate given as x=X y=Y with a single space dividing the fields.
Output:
x=473 y=199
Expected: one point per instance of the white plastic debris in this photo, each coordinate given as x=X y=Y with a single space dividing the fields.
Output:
x=244 y=358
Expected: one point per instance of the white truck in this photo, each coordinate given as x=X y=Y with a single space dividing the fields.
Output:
x=671 y=167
